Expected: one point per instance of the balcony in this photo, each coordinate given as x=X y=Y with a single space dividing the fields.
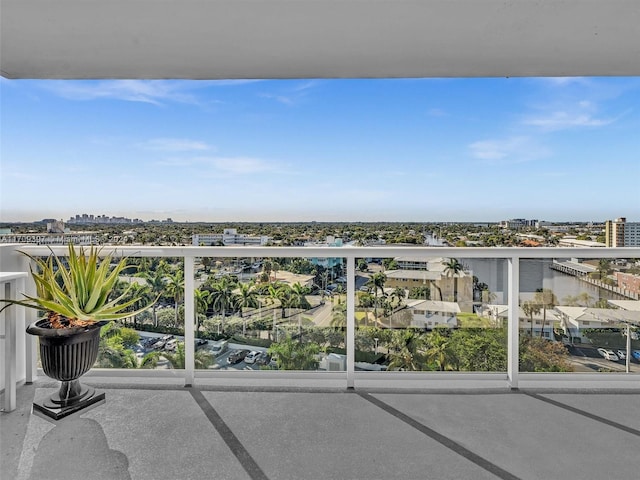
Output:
x=263 y=424
x=192 y=422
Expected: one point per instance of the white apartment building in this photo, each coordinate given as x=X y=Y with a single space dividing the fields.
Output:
x=517 y=223
x=430 y=314
x=574 y=320
x=538 y=323
x=229 y=236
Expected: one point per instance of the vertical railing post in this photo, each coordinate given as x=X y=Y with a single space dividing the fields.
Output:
x=30 y=316
x=351 y=320
x=513 y=324
x=189 y=320
x=10 y=351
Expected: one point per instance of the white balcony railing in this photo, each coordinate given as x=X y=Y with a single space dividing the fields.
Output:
x=12 y=261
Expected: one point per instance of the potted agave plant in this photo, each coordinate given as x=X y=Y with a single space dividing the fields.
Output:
x=76 y=299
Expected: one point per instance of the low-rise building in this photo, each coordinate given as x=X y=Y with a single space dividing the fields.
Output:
x=229 y=236
x=538 y=324
x=574 y=242
x=430 y=314
x=628 y=282
x=575 y=320
x=327 y=262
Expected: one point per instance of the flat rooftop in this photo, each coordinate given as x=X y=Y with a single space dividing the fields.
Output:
x=171 y=432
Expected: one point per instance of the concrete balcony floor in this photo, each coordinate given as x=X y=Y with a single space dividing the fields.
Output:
x=168 y=431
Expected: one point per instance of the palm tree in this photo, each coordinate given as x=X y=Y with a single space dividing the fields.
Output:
x=376 y=281
x=530 y=308
x=604 y=268
x=275 y=294
x=452 y=268
x=339 y=318
x=202 y=298
x=281 y=293
x=222 y=296
x=155 y=281
x=292 y=355
x=112 y=353
x=297 y=299
x=175 y=288
x=407 y=351
x=547 y=299
x=586 y=299
x=206 y=263
x=298 y=295
x=142 y=291
x=247 y=297
x=275 y=266
x=267 y=266
x=399 y=294
x=438 y=351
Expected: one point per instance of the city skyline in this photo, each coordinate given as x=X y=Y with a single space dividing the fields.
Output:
x=420 y=150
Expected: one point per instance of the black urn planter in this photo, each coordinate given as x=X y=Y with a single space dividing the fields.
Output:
x=66 y=354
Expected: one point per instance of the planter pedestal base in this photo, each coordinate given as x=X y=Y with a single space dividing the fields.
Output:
x=72 y=397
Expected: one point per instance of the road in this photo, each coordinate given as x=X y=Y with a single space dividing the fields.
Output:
x=587 y=359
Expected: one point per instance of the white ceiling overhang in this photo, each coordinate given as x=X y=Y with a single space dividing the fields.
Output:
x=226 y=39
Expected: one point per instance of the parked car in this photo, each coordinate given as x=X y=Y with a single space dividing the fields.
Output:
x=263 y=359
x=199 y=342
x=219 y=347
x=251 y=357
x=636 y=354
x=171 y=345
x=622 y=354
x=159 y=345
x=237 y=356
x=608 y=354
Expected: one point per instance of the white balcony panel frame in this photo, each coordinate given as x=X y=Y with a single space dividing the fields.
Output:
x=427 y=380
x=12 y=320
x=351 y=321
x=189 y=320
x=513 y=325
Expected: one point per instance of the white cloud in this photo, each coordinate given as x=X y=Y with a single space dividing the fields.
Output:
x=241 y=165
x=279 y=98
x=508 y=150
x=174 y=145
x=156 y=92
x=176 y=162
x=561 y=120
x=293 y=93
x=307 y=85
x=563 y=81
x=221 y=166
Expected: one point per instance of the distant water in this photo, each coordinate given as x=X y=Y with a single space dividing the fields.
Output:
x=534 y=274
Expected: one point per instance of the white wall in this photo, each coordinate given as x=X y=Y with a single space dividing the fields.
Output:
x=11 y=261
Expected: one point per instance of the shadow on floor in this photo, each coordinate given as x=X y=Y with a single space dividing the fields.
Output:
x=77 y=448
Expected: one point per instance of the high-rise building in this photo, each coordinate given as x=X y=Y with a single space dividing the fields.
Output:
x=620 y=233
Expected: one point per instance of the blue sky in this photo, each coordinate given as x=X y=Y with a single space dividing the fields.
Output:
x=327 y=150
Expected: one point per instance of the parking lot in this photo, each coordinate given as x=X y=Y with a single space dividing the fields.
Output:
x=150 y=342
x=588 y=359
